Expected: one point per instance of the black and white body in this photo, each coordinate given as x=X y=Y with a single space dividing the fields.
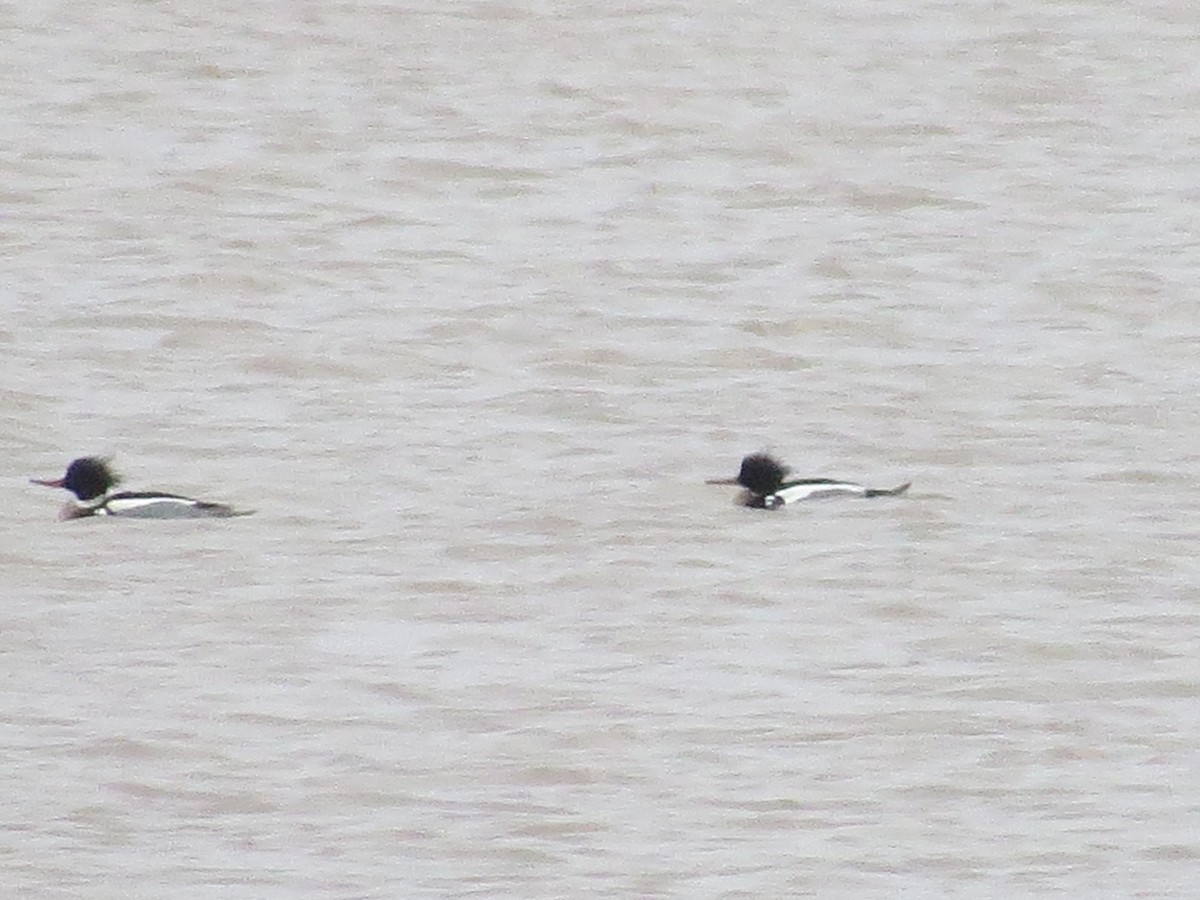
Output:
x=91 y=481
x=766 y=485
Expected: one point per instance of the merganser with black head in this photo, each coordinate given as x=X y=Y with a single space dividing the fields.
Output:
x=766 y=485
x=91 y=480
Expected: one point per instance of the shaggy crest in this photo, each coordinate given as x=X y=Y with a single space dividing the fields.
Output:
x=762 y=474
x=90 y=477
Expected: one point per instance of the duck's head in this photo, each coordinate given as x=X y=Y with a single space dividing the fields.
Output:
x=760 y=474
x=87 y=478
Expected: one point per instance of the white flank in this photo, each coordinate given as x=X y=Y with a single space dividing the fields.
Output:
x=798 y=492
x=150 y=507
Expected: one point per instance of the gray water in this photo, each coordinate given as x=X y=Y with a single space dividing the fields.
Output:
x=468 y=299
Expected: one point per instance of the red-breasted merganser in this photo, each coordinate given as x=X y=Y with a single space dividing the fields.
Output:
x=767 y=486
x=91 y=480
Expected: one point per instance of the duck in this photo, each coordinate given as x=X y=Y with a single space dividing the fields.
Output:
x=765 y=485
x=92 y=479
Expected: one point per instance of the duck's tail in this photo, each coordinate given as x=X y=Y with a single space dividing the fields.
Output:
x=888 y=492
